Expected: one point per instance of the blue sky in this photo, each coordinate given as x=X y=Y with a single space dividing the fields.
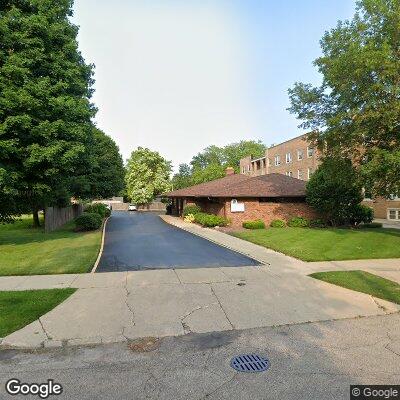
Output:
x=179 y=75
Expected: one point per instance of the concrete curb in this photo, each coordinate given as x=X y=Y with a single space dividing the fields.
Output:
x=101 y=247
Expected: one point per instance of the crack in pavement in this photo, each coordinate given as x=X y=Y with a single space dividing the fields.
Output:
x=207 y=395
x=130 y=309
x=380 y=306
x=388 y=344
x=48 y=337
x=222 y=308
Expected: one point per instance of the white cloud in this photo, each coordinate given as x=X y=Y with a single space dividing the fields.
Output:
x=170 y=77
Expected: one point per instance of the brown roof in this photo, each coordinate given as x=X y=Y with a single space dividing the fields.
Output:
x=271 y=185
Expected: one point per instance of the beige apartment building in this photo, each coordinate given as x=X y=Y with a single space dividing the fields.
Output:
x=297 y=158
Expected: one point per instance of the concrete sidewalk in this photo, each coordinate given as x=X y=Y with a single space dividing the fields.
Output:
x=115 y=307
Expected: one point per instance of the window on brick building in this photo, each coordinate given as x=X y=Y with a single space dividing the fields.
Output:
x=299 y=174
x=393 y=213
x=300 y=155
x=289 y=173
x=277 y=160
x=310 y=151
x=288 y=158
x=309 y=173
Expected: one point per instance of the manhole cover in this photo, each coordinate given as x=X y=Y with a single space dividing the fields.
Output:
x=250 y=363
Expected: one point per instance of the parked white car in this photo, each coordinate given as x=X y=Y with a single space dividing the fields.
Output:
x=132 y=207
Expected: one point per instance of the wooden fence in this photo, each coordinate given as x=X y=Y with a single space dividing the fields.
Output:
x=154 y=206
x=55 y=217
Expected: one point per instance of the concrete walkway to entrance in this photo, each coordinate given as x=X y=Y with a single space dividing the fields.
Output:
x=120 y=306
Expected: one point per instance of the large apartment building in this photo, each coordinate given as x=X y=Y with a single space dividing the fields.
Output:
x=297 y=158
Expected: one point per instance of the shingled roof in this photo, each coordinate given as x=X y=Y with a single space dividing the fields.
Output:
x=271 y=185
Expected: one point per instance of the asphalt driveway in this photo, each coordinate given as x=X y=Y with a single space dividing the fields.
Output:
x=140 y=241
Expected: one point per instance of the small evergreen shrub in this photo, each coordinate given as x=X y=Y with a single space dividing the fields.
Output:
x=298 y=222
x=278 y=223
x=210 y=220
x=256 y=224
x=317 y=223
x=191 y=209
x=98 y=208
x=88 y=221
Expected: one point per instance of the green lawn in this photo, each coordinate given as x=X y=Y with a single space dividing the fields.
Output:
x=18 y=309
x=328 y=244
x=363 y=282
x=25 y=250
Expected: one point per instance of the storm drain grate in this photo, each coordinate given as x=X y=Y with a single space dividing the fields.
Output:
x=250 y=363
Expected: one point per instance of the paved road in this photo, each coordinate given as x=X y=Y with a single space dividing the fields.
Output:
x=137 y=241
x=308 y=361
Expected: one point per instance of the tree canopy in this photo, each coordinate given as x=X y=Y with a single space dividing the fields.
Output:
x=355 y=113
x=147 y=176
x=45 y=109
x=107 y=173
x=212 y=162
x=335 y=191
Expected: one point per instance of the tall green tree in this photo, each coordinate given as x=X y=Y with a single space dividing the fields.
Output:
x=209 y=173
x=45 y=109
x=147 y=176
x=356 y=111
x=183 y=178
x=105 y=176
x=212 y=162
x=229 y=155
x=335 y=191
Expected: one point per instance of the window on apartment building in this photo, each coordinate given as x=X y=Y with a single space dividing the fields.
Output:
x=300 y=155
x=248 y=168
x=277 y=160
x=288 y=158
x=289 y=173
x=299 y=174
x=310 y=151
x=393 y=213
x=309 y=173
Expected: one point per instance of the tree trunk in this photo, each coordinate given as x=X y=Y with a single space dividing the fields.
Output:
x=36 y=222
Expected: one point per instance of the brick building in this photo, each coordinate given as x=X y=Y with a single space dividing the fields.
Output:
x=241 y=197
x=297 y=158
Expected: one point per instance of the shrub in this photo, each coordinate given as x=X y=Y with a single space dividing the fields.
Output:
x=88 y=221
x=210 y=220
x=360 y=213
x=191 y=209
x=317 y=223
x=298 y=222
x=98 y=208
x=189 y=218
x=257 y=224
x=371 y=225
x=335 y=191
x=278 y=223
